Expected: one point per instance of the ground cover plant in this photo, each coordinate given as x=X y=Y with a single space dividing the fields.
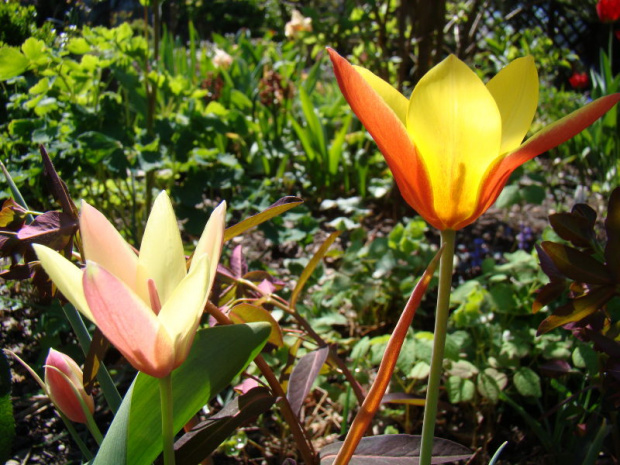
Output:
x=224 y=243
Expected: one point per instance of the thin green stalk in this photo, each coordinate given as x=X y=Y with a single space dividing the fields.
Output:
x=108 y=387
x=167 y=427
x=88 y=455
x=439 y=343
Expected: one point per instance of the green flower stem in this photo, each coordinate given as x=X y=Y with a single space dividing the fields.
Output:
x=439 y=343
x=76 y=437
x=108 y=387
x=167 y=427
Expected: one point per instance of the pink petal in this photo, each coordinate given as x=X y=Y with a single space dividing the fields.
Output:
x=103 y=244
x=128 y=323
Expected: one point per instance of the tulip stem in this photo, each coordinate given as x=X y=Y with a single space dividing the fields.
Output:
x=103 y=375
x=439 y=342
x=167 y=427
x=76 y=437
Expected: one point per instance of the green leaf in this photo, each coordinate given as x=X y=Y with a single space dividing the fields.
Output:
x=281 y=206
x=12 y=63
x=460 y=390
x=217 y=356
x=527 y=382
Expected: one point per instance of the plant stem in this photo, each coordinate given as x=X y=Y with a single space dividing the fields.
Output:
x=167 y=427
x=439 y=342
x=108 y=387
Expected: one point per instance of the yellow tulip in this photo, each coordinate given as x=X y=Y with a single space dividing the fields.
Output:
x=147 y=305
x=454 y=143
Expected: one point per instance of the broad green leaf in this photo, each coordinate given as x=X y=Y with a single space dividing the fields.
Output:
x=281 y=206
x=12 y=63
x=527 y=382
x=460 y=389
x=7 y=422
x=35 y=51
x=217 y=356
x=78 y=46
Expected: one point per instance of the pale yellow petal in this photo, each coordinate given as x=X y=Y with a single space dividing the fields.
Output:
x=66 y=276
x=181 y=314
x=103 y=244
x=456 y=126
x=394 y=99
x=515 y=90
x=212 y=238
x=161 y=258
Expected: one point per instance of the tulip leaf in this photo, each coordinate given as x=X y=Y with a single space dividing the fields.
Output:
x=205 y=437
x=135 y=434
x=577 y=265
x=397 y=449
x=281 y=206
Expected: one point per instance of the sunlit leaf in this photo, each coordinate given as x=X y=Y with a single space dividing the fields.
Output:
x=247 y=313
x=281 y=206
x=134 y=438
x=53 y=229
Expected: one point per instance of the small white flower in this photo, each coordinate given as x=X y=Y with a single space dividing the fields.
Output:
x=221 y=59
x=297 y=24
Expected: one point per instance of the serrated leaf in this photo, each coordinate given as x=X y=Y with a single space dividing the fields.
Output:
x=396 y=449
x=281 y=206
x=527 y=382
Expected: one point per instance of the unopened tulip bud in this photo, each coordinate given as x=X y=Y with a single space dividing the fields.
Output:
x=64 y=382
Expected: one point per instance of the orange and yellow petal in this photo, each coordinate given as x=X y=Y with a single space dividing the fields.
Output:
x=390 y=134
x=457 y=128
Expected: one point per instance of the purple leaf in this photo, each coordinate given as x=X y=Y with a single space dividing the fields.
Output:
x=238 y=265
x=397 y=449
x=53 y=229
x=303 y=375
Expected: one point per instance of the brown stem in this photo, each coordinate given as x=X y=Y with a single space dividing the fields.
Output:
x=304 y=445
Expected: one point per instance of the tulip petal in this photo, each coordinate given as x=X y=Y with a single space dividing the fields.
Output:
x=390 y=135
x=161 y=257
x=181 y=314
x=456 y=127
x=127 y=322
x=393 y=99
x=66 y=276
x=547 y=138
x=212 y=239
x=104 y=245
x=515 y=90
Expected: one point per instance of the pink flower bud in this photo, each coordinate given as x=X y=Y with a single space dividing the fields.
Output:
x=63 y=379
